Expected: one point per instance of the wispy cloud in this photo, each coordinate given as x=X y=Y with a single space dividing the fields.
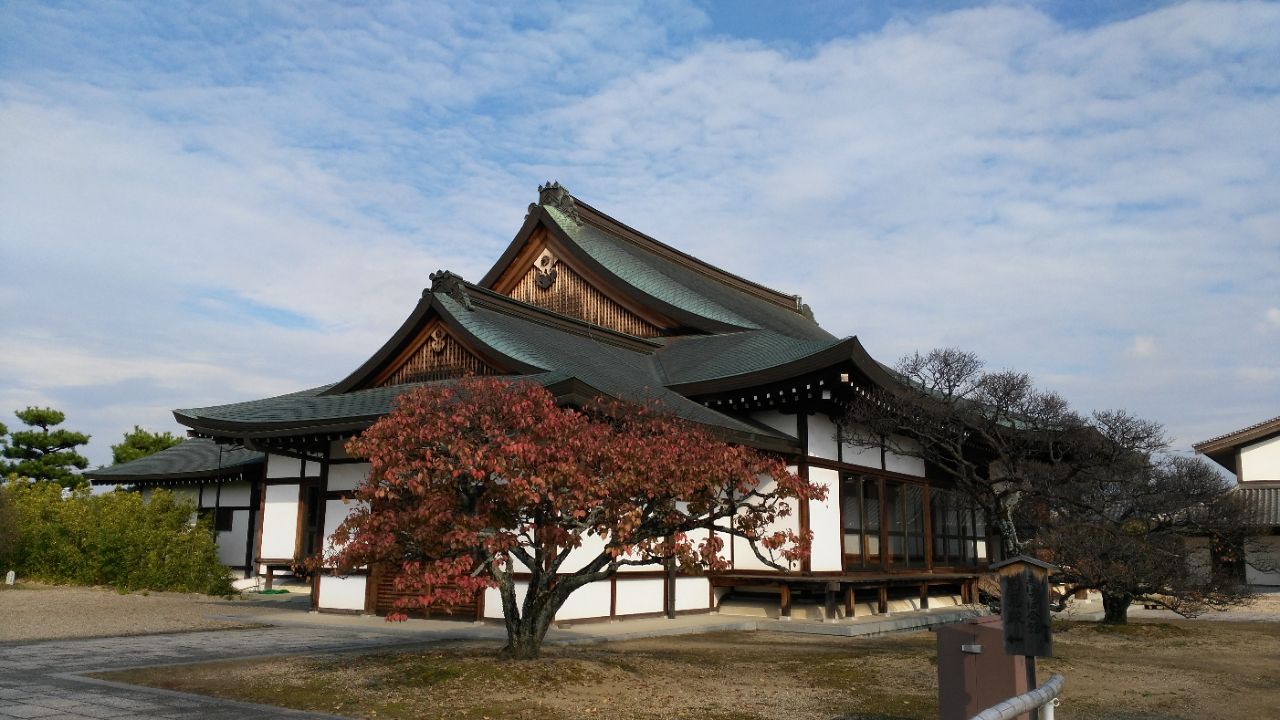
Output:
x=206 y=203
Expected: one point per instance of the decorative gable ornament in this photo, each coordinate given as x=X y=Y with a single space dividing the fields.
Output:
x=447 y=283
x=436 y=341
x=554 y=195
x=545 y=270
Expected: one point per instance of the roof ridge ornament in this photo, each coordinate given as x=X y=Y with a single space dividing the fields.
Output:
x=451 y=284
x=555 y=195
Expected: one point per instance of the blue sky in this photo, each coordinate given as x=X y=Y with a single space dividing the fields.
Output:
x=209 y=202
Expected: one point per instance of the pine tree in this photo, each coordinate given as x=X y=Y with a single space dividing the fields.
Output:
x=45 y=453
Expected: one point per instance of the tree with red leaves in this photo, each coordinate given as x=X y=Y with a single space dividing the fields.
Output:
x=476 y=482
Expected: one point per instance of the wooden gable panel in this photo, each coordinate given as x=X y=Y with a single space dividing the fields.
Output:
x=434 y=355
x=568 y=293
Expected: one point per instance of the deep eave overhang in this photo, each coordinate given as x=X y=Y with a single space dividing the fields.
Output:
x=567 y=391
x=1222 y=449
x=849 y=350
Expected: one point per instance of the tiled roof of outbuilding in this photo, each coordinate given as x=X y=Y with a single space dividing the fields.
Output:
x=193 y=458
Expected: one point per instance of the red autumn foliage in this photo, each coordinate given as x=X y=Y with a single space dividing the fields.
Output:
x=475 y=481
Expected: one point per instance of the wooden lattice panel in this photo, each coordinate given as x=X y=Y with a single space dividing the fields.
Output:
x=387 y=595
x=438 y=357
x=569 y=294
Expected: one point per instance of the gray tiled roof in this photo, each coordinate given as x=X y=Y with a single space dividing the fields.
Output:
x=1264 y=498
x=738 y=329
x=191 y=458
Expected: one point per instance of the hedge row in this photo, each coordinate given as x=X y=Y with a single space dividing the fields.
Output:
x=114 y=539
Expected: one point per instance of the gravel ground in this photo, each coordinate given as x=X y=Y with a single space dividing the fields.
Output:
x=43 y=612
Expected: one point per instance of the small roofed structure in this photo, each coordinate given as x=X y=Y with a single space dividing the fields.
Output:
x=1252 y=454
x=222 y=480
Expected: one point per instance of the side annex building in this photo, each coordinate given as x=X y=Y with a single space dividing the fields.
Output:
x=586 y=306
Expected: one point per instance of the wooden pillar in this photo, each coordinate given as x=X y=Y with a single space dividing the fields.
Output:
x=883 y=605
x=832 y=612
x=924 y=596
x=784 y=609
x=850 y=601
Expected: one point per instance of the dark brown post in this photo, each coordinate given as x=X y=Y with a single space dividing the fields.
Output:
x=785 y=601
x=832 y=589
x=884 y=599
x=924 y=596
x=850 y=601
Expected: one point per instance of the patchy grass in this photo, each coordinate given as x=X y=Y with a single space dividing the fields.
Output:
x=1143 y=670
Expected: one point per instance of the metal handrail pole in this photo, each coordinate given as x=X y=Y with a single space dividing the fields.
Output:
x=1040 y=699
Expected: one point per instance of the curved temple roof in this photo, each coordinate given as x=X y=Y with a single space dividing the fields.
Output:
x=726 y=333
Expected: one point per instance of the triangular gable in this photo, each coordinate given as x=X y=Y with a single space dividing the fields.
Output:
x=544 y=273
x=431 y=345
x=435 y=354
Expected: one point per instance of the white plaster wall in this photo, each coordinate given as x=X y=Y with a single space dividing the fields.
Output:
x=592 y=546
x=1260 y=461
x=743 y=556
x=342 y=593
x=493 y=599
x=1269 y=557
x=280 y=521
x=347 y=477
x=589 y=601
x=639 y=595
x=857 y=454
x=312 y=468
x=822 y=437
x=692 y=593
x=824 y=521
x=777 y=421
x=234 y=493
x=232 y=543
x=335 y=511
x=279 y=466
x=902 y=463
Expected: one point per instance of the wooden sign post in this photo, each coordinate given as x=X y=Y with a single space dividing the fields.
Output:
x=1025 y=611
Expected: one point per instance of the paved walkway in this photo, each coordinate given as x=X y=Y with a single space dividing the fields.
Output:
x=47 y=679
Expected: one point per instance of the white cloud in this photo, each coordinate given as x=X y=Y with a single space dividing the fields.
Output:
x=1142 y=346
x=985 y=178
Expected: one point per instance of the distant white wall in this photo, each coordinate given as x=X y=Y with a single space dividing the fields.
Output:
x=822 y=437
x=493 y=599
x=347 y=476
x=744 y=557
x=189 y=493
x=335 y=511
x=903 y=463
x=280 y=521
x=279 y=466
x=640 y=595
x=233 y=543
x=692 y=593
x=1260 y=461
x=777 y=421
x=854 y=449
x=342 y=593
x=824 y=521
x=592 y=546
x=588 y=601
x=235 y=494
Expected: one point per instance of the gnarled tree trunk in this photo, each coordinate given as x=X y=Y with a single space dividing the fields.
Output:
x=1115 y=607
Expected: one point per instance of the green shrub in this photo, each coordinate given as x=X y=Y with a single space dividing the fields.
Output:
x=113 y=539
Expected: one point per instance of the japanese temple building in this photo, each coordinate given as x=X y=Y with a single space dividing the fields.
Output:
x=587 y=306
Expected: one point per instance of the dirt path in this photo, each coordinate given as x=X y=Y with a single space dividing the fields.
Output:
x=41 y=612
